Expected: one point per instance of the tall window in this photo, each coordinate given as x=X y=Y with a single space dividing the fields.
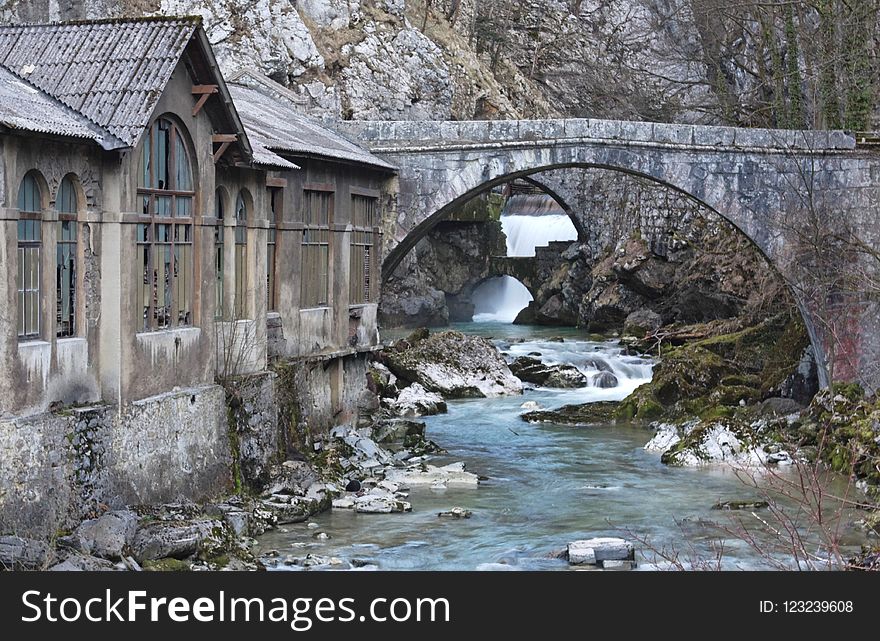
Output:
x=363 y=218
x=276 y=195
x=219 y=231
x=65 y=259
x=29 y=244
x=241 y=276
x=315 y=273
x=164 y=238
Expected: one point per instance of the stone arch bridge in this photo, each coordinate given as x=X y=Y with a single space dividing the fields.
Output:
x=772 y=185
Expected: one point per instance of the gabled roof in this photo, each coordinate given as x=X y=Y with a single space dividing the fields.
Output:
x=23 y=107
x=270 y=115
x=113 y=72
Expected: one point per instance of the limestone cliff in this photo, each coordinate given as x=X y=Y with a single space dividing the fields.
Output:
x=669 y=60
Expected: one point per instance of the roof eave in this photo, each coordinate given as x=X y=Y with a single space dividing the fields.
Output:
x=381 y=165
x=223 y=90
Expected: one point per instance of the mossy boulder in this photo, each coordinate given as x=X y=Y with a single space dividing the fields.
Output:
x=585 y=414
x=167 y=565
x=714 y=372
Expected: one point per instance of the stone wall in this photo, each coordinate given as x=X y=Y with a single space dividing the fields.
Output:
x=58 y=468
x=192 y=444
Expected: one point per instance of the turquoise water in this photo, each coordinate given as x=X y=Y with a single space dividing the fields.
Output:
x=548 y=485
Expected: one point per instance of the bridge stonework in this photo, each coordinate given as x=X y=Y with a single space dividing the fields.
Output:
x=772 y=185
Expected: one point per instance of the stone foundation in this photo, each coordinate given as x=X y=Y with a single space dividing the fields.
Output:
x=192 y=444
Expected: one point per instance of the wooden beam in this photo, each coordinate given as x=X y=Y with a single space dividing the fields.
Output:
x=203 y=92
x=224 y=138
x=219 y=153
x=272 y=181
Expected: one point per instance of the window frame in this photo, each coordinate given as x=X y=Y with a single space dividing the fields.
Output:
x=240 y=304
x=275 y=196
x=25 y=294
x=315 y=235
x=68 y=213
x=219 y=257
x=179 y=236
x=362 y=236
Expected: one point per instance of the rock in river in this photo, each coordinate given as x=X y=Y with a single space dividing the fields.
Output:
x=453 y=365
x=415 y=400
x=586 y=414
x=532 y=370
x=453 y=474
x=601 y=550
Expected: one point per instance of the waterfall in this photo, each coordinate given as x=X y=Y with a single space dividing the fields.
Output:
x=499 y=299
x=528 y=221
x=524 y=233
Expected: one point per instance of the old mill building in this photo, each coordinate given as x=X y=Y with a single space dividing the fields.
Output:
x=164 y=228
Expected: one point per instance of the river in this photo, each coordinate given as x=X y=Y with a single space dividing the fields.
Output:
x=547 y=484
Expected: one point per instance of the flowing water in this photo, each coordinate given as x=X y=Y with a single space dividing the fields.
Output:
x=548 y=484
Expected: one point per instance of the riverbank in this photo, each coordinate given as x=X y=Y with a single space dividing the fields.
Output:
x=505 y=493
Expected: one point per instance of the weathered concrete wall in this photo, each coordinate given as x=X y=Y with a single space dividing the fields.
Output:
x=56 y=468
x=171 y=447
x=192 y=444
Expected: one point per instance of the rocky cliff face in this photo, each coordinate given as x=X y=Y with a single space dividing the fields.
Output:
x=682 y=60
x=433 y=285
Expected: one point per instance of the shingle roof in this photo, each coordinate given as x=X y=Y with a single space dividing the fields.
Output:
x=113 y=71
x=272 y=121
x=25 y=108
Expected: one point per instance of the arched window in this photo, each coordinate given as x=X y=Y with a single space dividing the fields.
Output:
x=241 y=276
x=219 y=230
x=30 y=205
x=165 y=235
x=276 y=195
x=65 y=259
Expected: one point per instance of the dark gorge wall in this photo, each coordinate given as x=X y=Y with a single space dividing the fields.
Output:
x=434 y=283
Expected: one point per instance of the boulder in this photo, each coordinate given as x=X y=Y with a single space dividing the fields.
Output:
x=108 y=536
x=291 y=477
x=421 y=475
x=641 y=322
x=566 y=377
x=600 y=550
x=718 y=441
x=532 y=370
x=381 y=381
x=604 y=380
x=176 y=539
x=454 y=365
x=380 y=502
x=585 y=414
x=17 y=553
x=415 y=400
x=397 y=430
x=740 y=505
x=456 y=513
x=779 y=407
